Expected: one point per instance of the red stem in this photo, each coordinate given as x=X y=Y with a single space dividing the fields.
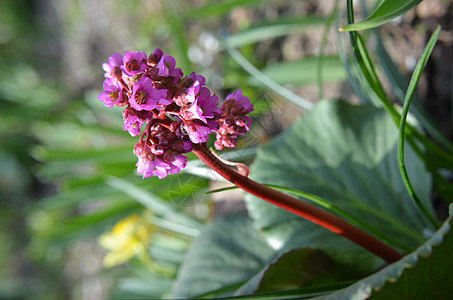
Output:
x=298 y=207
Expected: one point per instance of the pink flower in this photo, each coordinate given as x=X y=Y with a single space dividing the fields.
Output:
x=197 y=133
x=208 y=105
x=234 y=121
x=112 y=93
x=134 y=63
x=236 y=104
x=204 y=107
x=145 y=96
x=149 y=164
x=132 y=122
x=112 y=68
x=194 y=89
x=165 y=65
x=175 y=161
x=177 y=112
x=155 y=57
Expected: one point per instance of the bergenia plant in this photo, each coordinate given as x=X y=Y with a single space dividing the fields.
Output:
x=173 y=114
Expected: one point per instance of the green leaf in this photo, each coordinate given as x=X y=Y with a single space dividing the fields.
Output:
x=228 y=252
x=351 y=67
x=428 y=279
x=149 y=287
x=268 y=82
x=297 y=268
x=322 y=48
x=399 y=85
x=437 y=156
x=98 y=220
x=154 y=203
x=386 y=11
x=423 y=274
x=176 y=21
x=407 y=102
x=264 y=31
x=73 y=197
x=216 y=8
x=347 y=155
x=304 y=71
x=123 y=154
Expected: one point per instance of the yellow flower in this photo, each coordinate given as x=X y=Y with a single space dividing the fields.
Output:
x=129 y=237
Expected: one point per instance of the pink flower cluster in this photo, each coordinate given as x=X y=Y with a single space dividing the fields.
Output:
x=174 y=111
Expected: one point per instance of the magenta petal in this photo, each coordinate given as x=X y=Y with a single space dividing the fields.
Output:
x=162 y=66
x=144 y=95
x=199 y=134
x=134 y=63
x=132 y=125
x=180 y=161
x=116 y=60
x=104 y=97
x=196 y=112
x=111 y=94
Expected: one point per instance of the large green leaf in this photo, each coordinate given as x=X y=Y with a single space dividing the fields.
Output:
x=423 y=274
x=386 y=11
x=430 y=277
x=228 y=252
x=347 y=155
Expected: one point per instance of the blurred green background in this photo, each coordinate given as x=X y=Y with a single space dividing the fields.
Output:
x=67 y=168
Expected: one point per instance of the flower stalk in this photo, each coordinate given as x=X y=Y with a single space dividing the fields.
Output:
x=300 y=208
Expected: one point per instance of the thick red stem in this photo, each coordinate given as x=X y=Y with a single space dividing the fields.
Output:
x=298 y=207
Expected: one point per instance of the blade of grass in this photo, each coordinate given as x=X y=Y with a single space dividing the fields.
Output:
x=217 y=8
x=399 y=86
x=155 y=204
x=366 y=65
x=386 y=11
x=268 y=30
x=78 y=223
x=351 y=68
x=266 y=81
x=176 y=22
x=297 y=72
x=322 y=48
x=407 y=102
x=175 y=227
x=438 y=157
